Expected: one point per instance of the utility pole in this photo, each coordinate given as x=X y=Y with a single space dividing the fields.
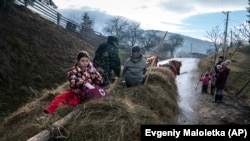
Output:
x=225 y=48
x=248 y=21
x=231 y=40
x=231 y=44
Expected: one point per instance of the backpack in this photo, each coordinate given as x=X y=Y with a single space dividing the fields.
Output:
x=93 y=93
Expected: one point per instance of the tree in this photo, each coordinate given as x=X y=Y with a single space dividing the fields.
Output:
x=133 y=32
x=216 y=37
x=149 y=38
x=243 y=32
x=236 y=41
x=248 y=21
x=175 y=41
x=87 y=23
x=165 y=49
x=244 y=28
x=116 y=26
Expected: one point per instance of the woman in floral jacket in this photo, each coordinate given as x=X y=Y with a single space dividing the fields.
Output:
x=81 y=76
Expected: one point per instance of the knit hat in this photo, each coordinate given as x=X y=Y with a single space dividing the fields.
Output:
x=218 y=67
x=82 y=54
x=136 y=49
x=226 y=63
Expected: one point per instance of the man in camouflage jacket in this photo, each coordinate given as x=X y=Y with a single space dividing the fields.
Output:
x=107 y=59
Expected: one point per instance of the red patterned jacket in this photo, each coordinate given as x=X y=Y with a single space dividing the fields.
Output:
x=78 y=76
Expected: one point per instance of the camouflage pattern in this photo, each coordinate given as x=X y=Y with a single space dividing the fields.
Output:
x=107 y=60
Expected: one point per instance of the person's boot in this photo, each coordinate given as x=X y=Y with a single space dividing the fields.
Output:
x=216 y=98
x=220 y=98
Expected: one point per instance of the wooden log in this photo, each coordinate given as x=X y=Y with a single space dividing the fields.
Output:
x=46 y=134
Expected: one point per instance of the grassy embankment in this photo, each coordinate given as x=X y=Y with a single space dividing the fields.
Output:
x=239 y=74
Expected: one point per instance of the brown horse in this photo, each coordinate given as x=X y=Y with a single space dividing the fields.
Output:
x=174 y=66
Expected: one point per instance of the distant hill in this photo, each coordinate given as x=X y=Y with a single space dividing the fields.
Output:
x=194 y=45
x=190 y=44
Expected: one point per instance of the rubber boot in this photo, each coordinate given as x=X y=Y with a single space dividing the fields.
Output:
x=216 y=98
x=220 y=98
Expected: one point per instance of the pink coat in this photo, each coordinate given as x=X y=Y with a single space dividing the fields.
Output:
x=205 y=80
x=74 y=96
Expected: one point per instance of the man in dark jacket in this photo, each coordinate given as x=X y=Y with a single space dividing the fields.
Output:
x=135 y=68
x=221 y=79
x=107 y=59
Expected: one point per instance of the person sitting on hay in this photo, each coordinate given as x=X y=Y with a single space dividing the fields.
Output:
x=135 y=68
x=85 y=83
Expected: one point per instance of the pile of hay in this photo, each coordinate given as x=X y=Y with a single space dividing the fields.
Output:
x=117 y=117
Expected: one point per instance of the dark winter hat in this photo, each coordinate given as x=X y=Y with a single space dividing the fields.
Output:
x=82 y=54
x=221 y=57
x=112 y=39
x=136 y=49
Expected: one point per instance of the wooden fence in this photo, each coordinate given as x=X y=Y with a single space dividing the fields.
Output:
x=52 y=15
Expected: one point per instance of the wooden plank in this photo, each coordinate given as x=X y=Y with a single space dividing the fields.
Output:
x=156 y=53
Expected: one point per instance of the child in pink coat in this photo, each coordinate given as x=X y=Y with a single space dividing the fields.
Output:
x=205 y=82
x=82 y=76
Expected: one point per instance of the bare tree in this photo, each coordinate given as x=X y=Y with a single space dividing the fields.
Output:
x=175 y=41
x=133 y=33
x=165 y=49
x=149 y=38
x=216 y=37
x=248 y=21
x=244 y=32
x=116 y=26
x=236 y=41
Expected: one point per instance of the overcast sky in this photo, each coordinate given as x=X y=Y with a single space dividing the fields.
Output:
x=187 y=17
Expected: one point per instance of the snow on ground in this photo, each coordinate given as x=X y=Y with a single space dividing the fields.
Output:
x=188 y=96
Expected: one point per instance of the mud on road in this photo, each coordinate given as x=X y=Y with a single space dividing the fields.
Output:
x=230 y=111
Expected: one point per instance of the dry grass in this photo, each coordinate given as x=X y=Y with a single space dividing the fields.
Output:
x=239 y=74
x=117 y=117
x=35 y=55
